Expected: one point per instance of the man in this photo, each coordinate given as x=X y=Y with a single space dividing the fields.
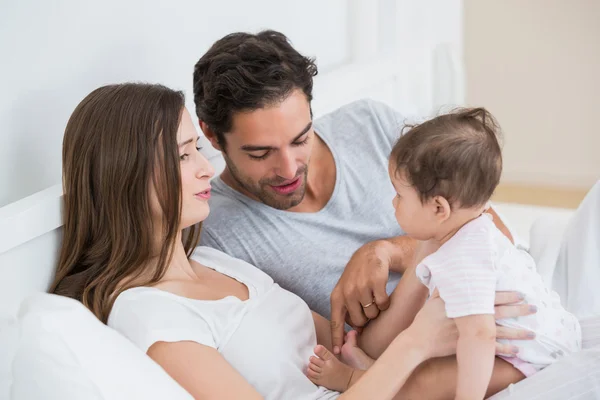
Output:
x=306 y=201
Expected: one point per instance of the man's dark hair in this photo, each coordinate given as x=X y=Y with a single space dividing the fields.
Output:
x=457 y=156
x=246 y=72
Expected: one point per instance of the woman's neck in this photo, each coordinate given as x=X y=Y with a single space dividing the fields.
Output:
x=179 y=266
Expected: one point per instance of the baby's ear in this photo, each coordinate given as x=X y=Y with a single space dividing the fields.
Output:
x=442 y=208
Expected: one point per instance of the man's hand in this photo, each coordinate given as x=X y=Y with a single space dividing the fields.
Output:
x=361 y=290
x=510 y=305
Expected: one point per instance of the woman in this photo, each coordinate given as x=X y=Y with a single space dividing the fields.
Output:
x=136 y=189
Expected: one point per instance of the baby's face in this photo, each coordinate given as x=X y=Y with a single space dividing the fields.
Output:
x=414 y=217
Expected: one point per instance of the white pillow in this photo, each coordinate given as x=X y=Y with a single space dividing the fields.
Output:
x=65 y=352
x=9 y=339
x=546 y=237
x=577 y=273
x=574 y=377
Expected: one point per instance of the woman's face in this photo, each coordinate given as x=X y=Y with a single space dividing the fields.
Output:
x=196 y=172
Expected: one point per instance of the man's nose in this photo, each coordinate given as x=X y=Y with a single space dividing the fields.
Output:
x=287 y=166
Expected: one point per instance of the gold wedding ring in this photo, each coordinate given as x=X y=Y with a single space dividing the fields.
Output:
x=369 y=305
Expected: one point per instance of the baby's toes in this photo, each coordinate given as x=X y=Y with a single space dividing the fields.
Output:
x=313 y=375
x=323 y=353
x=352 y=338
x=315 y=368
x=316 y=361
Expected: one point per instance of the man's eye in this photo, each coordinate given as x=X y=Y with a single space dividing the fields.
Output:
x=302 y=142
x=261 y=157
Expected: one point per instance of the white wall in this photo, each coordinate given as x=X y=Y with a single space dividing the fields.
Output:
x=536 y=65
x=55 y=52
x=398 y=51
x=429 y=47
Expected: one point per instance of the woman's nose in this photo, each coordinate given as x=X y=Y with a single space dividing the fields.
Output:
x=205 y=168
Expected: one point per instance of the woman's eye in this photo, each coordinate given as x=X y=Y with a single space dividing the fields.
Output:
x=184 y=157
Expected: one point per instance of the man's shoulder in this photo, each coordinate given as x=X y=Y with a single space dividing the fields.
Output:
x=226 y=209
x=366 y=112
x=365 y=106
x=369 y=121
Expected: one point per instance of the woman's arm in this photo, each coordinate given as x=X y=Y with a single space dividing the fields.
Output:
x=201 y=370
x=389 y=373
x=430 y=335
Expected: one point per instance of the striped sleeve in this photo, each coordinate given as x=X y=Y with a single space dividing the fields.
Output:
x=464 y=273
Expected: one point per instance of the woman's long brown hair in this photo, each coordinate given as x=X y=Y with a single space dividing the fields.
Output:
x=119 y=140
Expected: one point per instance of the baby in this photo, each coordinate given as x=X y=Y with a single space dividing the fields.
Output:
x=444 y=172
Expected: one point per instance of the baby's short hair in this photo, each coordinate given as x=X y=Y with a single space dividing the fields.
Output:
x=456 y=155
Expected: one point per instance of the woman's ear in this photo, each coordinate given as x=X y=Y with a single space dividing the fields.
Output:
x=210 y=135
x=442 y=208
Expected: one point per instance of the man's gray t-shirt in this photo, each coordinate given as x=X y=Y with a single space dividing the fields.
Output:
x=306 y=253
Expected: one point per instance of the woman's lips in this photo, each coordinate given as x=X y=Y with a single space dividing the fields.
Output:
x=203 y=195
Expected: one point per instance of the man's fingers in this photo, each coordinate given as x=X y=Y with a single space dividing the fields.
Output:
x=357 y=315
x=382 y=300
x=519 y=310
x=503 y=332
x=369 y=305
x=338 y=316
x=506 y=349
x=503 y=298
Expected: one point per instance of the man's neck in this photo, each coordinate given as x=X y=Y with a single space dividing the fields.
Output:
x=228 y=178
x=321 y=178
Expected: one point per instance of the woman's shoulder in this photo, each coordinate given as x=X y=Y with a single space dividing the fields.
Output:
x=146 y=315
x=231 y=266
x=142 y=303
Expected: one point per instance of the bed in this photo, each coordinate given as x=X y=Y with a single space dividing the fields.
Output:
x=53 y=348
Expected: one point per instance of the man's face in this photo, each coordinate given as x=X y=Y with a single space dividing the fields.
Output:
x=268 y=151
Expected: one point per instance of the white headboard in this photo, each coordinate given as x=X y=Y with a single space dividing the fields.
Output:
x=30 y=228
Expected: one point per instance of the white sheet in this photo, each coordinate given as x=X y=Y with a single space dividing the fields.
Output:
x=567 y=254
x=577 y=274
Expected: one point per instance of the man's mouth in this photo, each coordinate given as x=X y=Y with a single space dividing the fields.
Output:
x=288 y=187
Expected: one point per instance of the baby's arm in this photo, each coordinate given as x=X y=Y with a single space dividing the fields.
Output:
x=475 y=355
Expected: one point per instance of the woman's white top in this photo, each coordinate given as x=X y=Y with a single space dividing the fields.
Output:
x=268 y=338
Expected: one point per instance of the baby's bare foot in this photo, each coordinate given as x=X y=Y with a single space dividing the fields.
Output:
x=353 y=355
x=326 y=370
